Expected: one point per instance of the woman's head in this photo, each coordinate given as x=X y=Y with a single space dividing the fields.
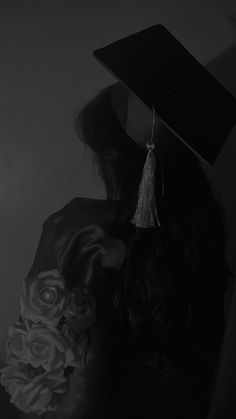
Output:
x=120 y=160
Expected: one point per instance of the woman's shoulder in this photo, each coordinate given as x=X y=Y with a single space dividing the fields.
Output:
x=84 y=209
x=75 y=235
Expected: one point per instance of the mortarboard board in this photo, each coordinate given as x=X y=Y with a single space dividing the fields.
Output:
x=160 y=74
x=158 y=77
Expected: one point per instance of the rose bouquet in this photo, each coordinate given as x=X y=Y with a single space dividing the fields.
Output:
x=49 y=340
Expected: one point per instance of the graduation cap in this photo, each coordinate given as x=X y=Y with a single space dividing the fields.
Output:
x=160 y=81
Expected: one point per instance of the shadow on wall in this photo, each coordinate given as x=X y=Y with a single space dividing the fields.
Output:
x=223 y=405
x=223 y=68
x=232 y=20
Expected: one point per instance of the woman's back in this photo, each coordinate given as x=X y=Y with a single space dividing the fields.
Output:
x=118 y=378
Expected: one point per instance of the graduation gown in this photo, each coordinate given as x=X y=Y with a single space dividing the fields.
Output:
x=113 y=383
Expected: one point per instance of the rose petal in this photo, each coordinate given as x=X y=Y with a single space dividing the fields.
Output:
x=33 y=393
x=59 y=364
x=14 y=390
x=69 y=357
x=57 y=282
x=42 y=402
x=62 y=303
x=53 y=272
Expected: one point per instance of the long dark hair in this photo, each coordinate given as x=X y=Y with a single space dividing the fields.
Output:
x=174 y=277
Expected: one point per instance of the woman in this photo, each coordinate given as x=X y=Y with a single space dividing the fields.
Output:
x=168 y=302
x=137 y=314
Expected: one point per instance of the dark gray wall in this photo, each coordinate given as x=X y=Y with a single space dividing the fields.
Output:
x=46 y=73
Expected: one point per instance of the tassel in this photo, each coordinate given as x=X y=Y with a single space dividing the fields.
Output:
x=146 y=211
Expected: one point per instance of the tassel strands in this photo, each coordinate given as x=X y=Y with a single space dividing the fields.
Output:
x=146 y=212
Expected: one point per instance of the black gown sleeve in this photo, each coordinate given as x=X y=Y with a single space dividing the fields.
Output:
x=44 y=258
x=74 y=241
x=75 y=252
